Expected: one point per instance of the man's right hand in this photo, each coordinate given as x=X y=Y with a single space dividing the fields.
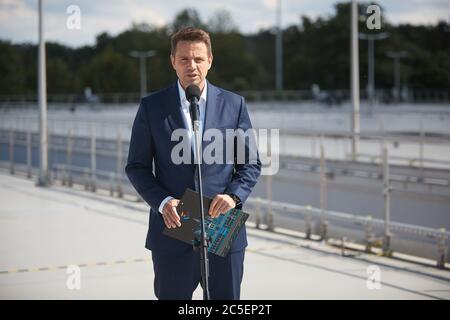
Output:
x=170 y=214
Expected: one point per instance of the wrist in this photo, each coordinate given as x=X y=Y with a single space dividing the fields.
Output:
x=235 y=198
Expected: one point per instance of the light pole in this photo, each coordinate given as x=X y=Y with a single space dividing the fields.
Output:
x=397 y=55
x=142 y=55
x=43 y=178
x=354 y=63
x=279 y=50
x=371 y=62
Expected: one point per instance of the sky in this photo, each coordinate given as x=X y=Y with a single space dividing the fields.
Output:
x=19 y=18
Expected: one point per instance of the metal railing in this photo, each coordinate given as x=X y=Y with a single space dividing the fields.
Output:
x=326 y=96
x=67 y=145
x=390 y=236
x=405 y=238
x=341 y=142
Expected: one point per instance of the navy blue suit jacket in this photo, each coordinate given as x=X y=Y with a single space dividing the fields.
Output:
x=154 y=175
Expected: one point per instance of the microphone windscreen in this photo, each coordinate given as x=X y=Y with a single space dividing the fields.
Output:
x=192 y=91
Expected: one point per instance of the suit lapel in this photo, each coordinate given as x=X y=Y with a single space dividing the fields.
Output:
x=213 y=108
x=175 y=113
x=175 y=116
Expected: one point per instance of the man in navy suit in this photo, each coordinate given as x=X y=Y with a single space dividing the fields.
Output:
x=161 y=181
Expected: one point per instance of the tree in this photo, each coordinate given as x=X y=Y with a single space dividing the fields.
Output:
x=111 y=72
x=59 y=78
x=222 y=22
x=12 y=80
x=315 y=51
x=187 y=18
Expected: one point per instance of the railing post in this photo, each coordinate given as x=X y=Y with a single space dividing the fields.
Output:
x=86 y=178
x=69 y=157
x=64 y=174
x=369 y=234
x=314 y=146
x=29 y=149
x=347 y=147
x=111 y=183
x=421 y=141
x=93 y=160
x=258 y=213
x=119 y=166
x=54 y=173
x=382 y=140
x=11 y=151
x=308 y=219
x=386 y=193
x=269 y=214
x=442 y=248
x=49 y=158
x=323 y=190
x=343 y=239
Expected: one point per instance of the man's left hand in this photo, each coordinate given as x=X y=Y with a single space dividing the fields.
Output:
x=220 y=205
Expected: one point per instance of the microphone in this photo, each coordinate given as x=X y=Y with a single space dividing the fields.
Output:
x=193 y=96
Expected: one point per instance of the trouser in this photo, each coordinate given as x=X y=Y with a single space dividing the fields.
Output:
x=176 y=278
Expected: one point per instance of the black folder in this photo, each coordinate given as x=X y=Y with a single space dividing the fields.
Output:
x=221 y=231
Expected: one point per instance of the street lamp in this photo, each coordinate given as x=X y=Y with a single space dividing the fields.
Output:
x=397 y=55
x=354 y=82
x=371 y=61
x=279 y=50
x=142 y=55
x=43 y=179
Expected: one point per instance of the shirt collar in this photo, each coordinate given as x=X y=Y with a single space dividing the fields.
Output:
x=184 y=101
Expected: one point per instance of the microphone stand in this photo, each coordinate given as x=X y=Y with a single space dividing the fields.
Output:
x=203 y=244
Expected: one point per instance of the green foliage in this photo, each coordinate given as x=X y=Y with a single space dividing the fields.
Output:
x=12 y=70
x=110 y=72
x=316 y=51
x=187 y=18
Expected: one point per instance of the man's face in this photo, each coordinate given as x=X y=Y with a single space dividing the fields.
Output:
x=191 y=63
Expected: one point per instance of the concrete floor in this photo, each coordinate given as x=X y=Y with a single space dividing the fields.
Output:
x=45 y=230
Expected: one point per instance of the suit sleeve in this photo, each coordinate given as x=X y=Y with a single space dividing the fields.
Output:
x=139 y=168
x=246 y=172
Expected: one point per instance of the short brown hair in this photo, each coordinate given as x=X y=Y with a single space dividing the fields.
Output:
x=190 y=34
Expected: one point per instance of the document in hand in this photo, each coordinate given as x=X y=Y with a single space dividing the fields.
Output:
x=221 y=231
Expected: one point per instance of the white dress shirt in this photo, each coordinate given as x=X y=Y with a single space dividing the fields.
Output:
x=188 y=123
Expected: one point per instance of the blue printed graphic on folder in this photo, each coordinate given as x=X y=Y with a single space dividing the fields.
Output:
x=221 y=231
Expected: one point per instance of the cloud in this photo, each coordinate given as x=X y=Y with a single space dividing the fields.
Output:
x=422 y=17
x=417 y=11
x=18 y=18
